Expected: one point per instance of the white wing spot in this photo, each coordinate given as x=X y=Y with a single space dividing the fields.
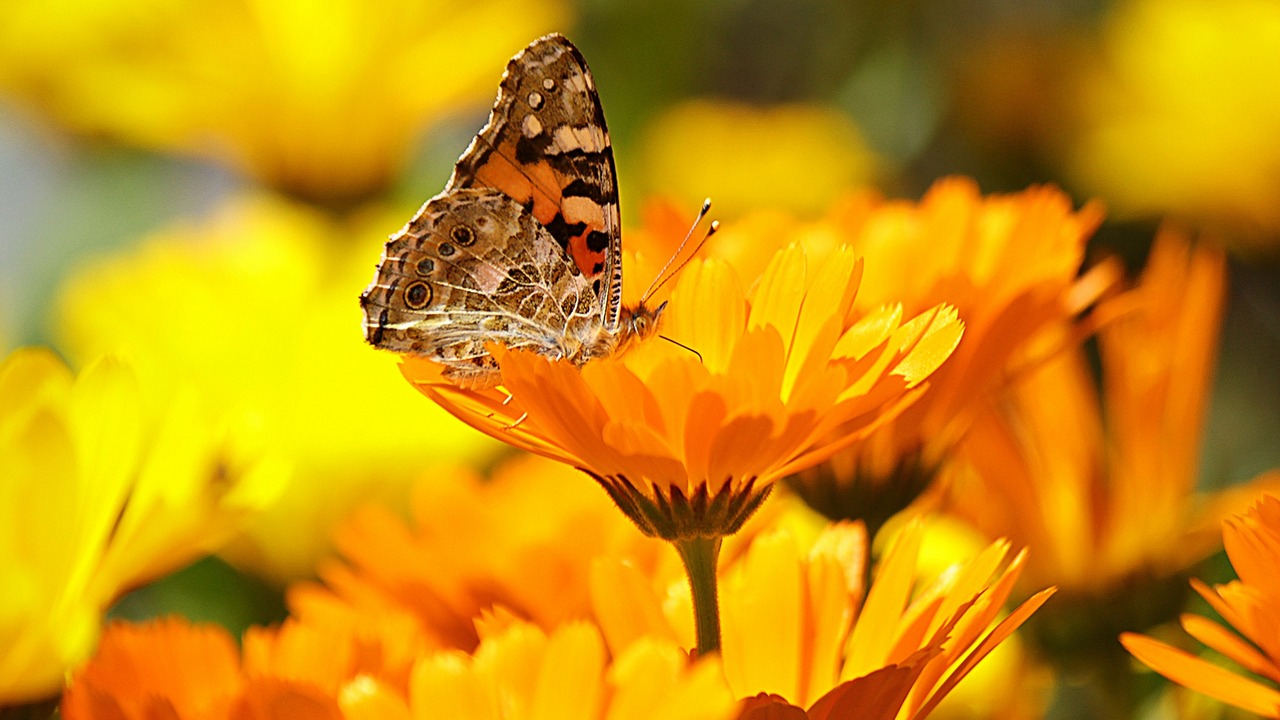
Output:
x=548 y=84
x=535 y=100
x=531 y=126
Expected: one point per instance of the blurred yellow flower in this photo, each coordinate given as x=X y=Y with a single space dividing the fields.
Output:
x=1182 y=118
x=793 y=157
x=255 y=307
x=169 y=668
x=1007 y=263
x=100 y=494
x=1250 y=604
x=798 y=630
x=324 y=102
x=1104 y=494
x=689 y=444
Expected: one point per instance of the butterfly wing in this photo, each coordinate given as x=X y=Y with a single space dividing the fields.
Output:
x=546 y=147
x=472 y=267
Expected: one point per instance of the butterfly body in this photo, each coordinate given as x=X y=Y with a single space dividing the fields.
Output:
x=523 y=246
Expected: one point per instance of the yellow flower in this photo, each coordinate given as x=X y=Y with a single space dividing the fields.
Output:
x=689 y=443
x=1182 y=119
x=172 y=669
x=521 y=671
x=101 y=494
x=1250 y=604
x=324 y=102
x=746 y=157
x=798 y=630
x=255 y=308
x=1007 y=263
x=1104 y=494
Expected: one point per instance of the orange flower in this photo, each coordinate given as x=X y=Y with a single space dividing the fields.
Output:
x=1250 y=604
x=1007 y=263
x=798 y=633
x=1051 y=471
x=689 y=443
x=172 y=669
x=522 y=540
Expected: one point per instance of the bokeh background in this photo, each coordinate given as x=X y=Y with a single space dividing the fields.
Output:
x=204 y=186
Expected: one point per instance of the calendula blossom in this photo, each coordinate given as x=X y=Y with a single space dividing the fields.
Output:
x=181 y=671
x=326 y=104
x=523 y=540
x=780 y=377
x=1250 y=604
x=253 y=307
x=801 y=631
x=102 y=493
x=1104 y=492
x=687 y=443
x=1009 y=264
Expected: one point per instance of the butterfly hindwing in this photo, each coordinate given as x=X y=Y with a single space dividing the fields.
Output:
x=546 y=146
x=473 y=267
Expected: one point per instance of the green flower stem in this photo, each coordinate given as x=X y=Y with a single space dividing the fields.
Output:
x=699 y=555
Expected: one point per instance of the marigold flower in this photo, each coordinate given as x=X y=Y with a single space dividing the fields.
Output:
x=1251 y=605
x=102 y=493
x=327 y=105
x=522 y=540
x=1007 y=263
x=1179 y=116
x=798 y=631
x=254 y=308
x=177 y=670
x=1056 y=470
x=779 y=378
x=688 y=437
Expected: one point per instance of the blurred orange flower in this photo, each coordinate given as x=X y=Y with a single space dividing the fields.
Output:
x=1251 y=605
x=522 y=541
x=1008 y=264
x=783 y=376
x=1054 y=469
x=169 y=668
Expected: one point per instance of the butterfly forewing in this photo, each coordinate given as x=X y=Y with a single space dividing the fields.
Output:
x=546 y=146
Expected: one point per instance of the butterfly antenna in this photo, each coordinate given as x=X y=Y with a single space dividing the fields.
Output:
x=662 y=277
x=677 y=343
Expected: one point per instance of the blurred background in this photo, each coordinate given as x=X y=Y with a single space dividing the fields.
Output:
x=205 y=185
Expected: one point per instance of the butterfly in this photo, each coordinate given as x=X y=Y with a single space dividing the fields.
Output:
x=523 y=247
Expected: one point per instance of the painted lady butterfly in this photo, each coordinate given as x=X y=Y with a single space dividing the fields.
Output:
x=523 y=247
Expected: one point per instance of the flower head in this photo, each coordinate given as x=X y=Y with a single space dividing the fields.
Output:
x=1251 y=605
x=253 y=307
x=1008 y=264
x=326 y=105
x=760 y=384
x=173 y=669
x=801 y=629
x=1104 y=493
x=100 y=494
